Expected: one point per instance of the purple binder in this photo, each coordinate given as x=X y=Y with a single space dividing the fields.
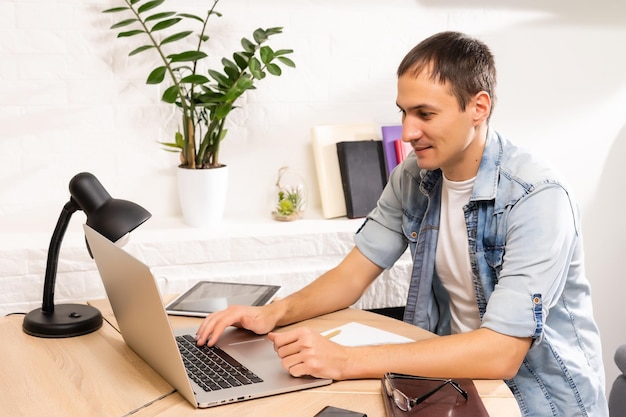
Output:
x=390 y=135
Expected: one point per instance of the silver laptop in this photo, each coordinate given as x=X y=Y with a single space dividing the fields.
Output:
x=144 y=325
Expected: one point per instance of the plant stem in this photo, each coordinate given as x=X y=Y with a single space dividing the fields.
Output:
x=190 y=148
x=189 y=140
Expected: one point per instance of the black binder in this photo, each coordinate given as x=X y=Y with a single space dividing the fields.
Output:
x=363 y=175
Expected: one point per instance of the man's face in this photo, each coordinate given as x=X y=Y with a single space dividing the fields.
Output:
x=441 y=135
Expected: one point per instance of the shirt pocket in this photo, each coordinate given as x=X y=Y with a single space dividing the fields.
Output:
x=494 y=256
x=491 y=244
x=411 y=226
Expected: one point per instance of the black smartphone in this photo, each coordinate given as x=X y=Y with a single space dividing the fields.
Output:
x=330 y=411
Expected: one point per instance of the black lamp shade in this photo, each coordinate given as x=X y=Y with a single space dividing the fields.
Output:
x=108 y=221
x=110 y=217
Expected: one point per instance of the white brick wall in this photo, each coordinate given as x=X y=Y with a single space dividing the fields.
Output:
x=287 y=254
x=71 y=101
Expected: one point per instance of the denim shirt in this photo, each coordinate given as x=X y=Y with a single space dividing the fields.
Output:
x=526 y=255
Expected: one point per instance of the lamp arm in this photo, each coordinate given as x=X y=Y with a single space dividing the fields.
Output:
x=53 y=255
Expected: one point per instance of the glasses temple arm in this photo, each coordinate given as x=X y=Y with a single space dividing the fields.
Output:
x=421 y=398
x=459 y=389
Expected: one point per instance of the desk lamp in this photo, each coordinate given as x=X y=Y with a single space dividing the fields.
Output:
x=113 y=219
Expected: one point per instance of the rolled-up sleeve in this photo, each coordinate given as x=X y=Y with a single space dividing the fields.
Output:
x=542 y=239
x=379 y=244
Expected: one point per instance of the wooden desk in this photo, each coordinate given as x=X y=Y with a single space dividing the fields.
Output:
x=98 y=375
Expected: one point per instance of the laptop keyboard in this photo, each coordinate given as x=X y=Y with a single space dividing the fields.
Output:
x=211 y=367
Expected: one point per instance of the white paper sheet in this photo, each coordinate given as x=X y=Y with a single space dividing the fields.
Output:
x=357 y=334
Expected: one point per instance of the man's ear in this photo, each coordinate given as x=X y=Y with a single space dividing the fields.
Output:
x=482 y=107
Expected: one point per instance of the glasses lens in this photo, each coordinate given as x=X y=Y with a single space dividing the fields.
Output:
x=401 y=400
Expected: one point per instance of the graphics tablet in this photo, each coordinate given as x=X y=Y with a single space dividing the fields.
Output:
x=209 y=296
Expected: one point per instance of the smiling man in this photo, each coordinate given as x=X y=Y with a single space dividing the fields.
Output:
x=498 y=257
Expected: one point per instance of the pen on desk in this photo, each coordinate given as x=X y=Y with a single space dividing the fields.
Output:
x=332 y=334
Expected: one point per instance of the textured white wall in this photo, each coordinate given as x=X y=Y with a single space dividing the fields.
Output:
x=71 y=101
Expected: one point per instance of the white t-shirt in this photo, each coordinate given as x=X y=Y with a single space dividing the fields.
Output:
x=452 y=258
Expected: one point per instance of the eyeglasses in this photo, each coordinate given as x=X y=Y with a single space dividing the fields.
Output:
x=403 y=402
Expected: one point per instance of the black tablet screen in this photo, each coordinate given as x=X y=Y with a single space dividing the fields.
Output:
x=209 y=296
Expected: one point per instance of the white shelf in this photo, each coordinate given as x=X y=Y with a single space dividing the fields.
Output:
x=290 y=254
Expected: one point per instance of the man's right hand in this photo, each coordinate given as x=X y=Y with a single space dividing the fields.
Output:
x=260 y=320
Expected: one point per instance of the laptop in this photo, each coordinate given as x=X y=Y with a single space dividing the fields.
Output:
x=144 y=325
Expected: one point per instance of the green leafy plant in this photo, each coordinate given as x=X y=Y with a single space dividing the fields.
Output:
x=205 y=100
x=290 y=201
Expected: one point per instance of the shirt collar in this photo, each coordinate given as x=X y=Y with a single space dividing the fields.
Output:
x=489 y=170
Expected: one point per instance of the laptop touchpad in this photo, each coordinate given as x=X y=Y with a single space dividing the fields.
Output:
x=255 y=348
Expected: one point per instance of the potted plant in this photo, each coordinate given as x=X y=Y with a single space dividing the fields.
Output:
x=205 y=97
x=289 y=200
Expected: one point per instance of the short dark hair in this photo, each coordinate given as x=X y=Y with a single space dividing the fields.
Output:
x=455 y=58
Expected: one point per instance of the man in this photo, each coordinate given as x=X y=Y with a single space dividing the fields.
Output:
x=498 y=256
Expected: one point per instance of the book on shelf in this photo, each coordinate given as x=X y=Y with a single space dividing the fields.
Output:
x=445 y=402
x=363 y=176
x=390 y=134
x=324 y=140
x=402 y=150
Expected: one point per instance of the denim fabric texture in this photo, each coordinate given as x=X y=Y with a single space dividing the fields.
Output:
x=527 y=260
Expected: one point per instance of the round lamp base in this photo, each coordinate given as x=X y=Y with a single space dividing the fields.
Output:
x=67 y=320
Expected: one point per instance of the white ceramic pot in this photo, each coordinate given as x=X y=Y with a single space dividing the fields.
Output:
x=202 y=195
